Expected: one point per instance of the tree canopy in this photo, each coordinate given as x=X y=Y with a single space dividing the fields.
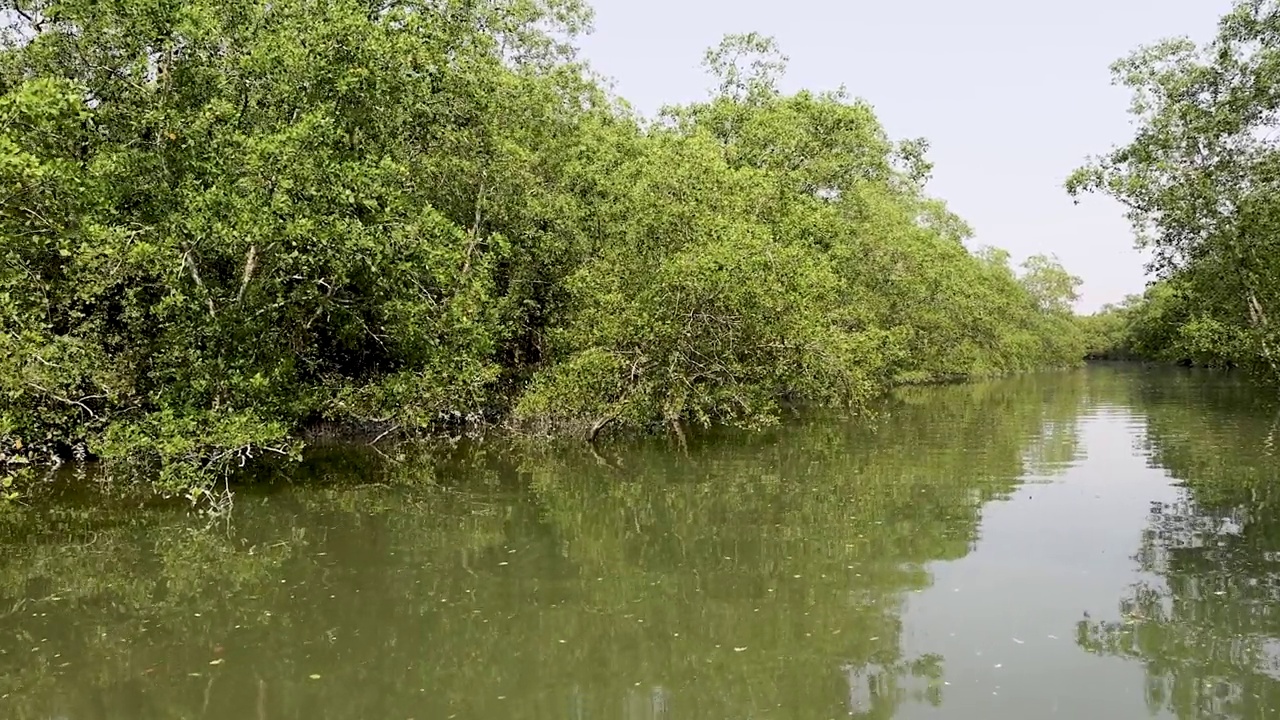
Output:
x=1199 y=182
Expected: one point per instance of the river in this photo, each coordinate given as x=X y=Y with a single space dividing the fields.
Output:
x=1095 y=544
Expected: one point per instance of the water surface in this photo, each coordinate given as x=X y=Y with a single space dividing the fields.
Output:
x=1100 y=544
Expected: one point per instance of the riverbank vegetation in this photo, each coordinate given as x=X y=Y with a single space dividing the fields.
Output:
x=224 y=222
x=1199 y=181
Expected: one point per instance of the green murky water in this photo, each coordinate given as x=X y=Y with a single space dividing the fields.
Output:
x=1100 y=544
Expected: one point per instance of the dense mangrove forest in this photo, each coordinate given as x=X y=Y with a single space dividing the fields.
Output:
x=1200 y=182
x=226 y=225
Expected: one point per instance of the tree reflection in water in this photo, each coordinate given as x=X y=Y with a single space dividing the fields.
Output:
x=756 y=574
x=1204 y=618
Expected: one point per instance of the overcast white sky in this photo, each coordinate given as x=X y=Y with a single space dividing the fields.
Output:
x=1012 y=95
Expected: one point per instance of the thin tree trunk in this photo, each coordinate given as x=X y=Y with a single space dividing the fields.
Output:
x=598 y=426
x=678 y=429
x=190 y=262
x=1260 y=320
x=250 y=264
x=475 y=227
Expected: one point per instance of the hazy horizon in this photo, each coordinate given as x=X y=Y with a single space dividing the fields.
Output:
x=1011 y=98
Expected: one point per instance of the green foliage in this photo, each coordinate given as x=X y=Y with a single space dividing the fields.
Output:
x=777 y=248
x=1170 y=323
x=1198 y=181
x=713 y=334
x=225 y=222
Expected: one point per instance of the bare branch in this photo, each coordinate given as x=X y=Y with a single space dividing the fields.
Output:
x=79 y=403
x=475 y=227
x=388 y=431
x=250 y=264
x=195 y=275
